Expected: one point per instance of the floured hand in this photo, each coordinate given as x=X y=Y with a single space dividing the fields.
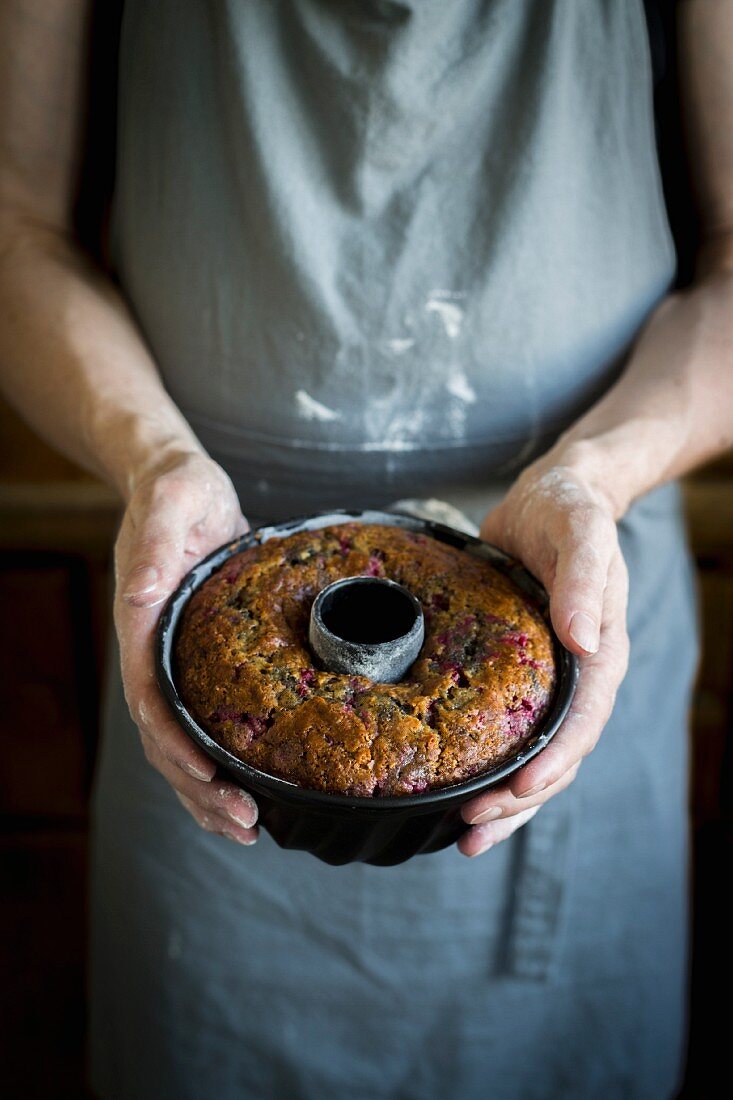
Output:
x=563 y=530
x=174 y=518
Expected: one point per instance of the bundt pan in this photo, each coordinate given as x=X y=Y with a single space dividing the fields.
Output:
x=340 y=828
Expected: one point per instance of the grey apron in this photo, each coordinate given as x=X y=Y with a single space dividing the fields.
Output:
x=386 y=250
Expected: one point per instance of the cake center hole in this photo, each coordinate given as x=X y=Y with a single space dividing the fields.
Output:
x=368 y=611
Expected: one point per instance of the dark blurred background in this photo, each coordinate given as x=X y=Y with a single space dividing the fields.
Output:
x=56 y=530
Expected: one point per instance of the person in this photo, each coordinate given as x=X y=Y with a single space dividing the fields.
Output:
x=363 y=252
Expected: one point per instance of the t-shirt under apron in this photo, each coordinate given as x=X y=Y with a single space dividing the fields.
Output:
x=386 y=250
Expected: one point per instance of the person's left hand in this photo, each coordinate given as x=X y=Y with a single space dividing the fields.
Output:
x=564 y=531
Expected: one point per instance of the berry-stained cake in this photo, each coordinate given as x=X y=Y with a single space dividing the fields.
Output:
x=482 y=683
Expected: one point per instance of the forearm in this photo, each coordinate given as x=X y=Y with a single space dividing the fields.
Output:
x=74 y=364
x=672 y=409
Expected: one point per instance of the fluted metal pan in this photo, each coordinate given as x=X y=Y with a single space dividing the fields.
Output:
x=340 y=828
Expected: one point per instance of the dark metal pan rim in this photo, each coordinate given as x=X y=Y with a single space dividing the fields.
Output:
x=566 y=662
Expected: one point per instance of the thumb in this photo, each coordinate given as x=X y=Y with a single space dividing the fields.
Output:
x=570 y=550
x=144 y=584
x=578 y=585
x=161 y=538
x=149 y=572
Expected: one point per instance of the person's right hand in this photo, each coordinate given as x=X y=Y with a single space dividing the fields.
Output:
x=174 y=517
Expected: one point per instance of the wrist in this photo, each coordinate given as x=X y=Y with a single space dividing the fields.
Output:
x=134 y=449
x=604 y=468
x=168 y=456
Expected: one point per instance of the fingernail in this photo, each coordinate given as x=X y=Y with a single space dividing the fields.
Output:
x=246 y=816
x=141 y=581
x=584 y=632
x=240 y=839
x=195 y=771
x=532 y=790
x=488 y=815
x=481 y=851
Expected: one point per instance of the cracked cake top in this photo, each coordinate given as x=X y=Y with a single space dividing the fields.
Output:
x=480 y=686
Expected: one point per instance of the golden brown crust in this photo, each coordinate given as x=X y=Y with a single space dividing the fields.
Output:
x=480 y=686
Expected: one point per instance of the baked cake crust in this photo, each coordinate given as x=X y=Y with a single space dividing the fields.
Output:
x=482 y=682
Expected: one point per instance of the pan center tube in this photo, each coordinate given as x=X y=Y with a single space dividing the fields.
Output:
x=367 y=626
